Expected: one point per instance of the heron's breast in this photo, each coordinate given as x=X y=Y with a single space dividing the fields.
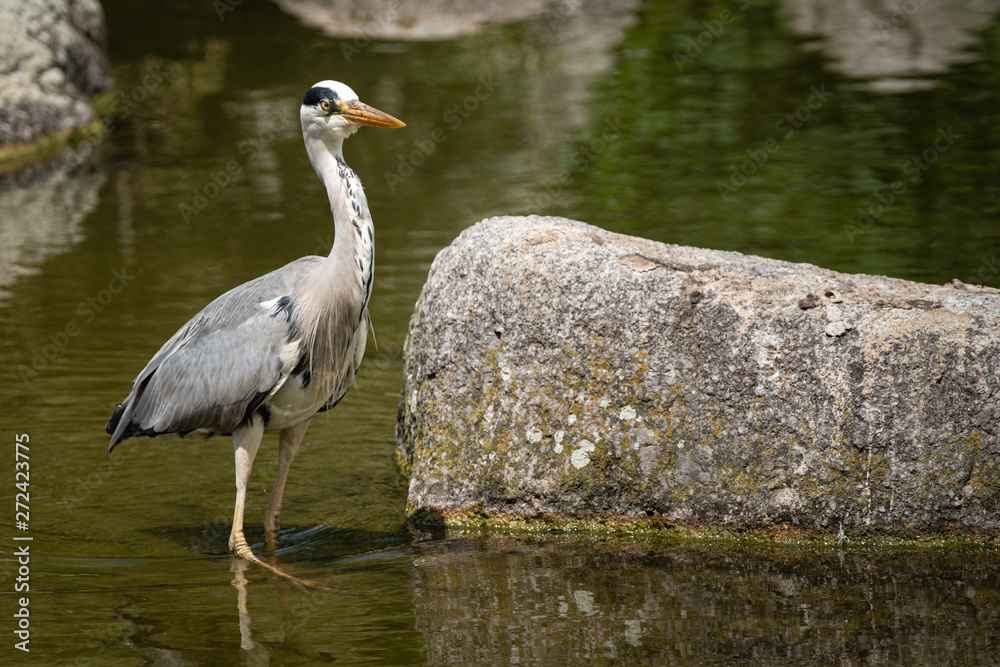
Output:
x=294 y=401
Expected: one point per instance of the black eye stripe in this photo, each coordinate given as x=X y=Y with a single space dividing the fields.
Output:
x=317 y=95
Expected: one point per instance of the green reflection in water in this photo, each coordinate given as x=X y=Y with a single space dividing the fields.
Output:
x=816 y=145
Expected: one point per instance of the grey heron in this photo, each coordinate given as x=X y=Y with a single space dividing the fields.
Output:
x=271 y=353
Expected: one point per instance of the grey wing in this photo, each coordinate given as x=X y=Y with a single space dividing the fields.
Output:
x=219 y=367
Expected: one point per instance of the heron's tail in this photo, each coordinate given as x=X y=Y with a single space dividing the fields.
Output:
x=119 y=422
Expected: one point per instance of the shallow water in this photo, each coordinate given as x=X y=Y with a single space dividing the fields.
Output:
x=578 y=111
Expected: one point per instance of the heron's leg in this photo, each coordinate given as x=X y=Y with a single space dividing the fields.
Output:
x=246 y=441
x=288 y=446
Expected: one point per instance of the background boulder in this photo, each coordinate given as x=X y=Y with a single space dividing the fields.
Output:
x=53 y=55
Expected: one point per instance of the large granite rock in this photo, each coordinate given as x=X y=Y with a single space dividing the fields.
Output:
x=557 y=370
x=52 y=58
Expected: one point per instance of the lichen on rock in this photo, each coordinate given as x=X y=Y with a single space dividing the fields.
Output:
x=55 y=58
x=557 y=370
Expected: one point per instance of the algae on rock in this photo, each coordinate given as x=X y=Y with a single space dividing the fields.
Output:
x=55 y=58
x=555 y=369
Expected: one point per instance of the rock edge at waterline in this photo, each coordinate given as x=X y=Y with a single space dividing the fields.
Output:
x=55 y=57
x=557 y=371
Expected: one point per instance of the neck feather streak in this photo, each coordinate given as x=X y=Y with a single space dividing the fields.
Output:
x=344 y=283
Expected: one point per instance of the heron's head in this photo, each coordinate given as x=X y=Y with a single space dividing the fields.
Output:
x=332 y=110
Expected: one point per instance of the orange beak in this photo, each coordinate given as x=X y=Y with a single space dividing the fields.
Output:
x=360 y=113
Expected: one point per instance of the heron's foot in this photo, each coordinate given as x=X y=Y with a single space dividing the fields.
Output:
x=238 y=545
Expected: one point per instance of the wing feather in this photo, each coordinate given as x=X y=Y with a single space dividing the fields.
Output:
x=220 y=366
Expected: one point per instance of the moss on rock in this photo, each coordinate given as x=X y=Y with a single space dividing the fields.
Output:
x=548 y=378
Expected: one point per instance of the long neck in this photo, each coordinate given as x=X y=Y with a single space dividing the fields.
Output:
x=353 y=248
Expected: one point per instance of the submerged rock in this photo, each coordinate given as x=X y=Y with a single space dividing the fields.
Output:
x=557 y=370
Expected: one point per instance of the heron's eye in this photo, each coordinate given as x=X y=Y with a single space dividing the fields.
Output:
x=325 y=105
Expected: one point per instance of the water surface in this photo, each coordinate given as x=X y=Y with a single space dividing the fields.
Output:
x=583 y=111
